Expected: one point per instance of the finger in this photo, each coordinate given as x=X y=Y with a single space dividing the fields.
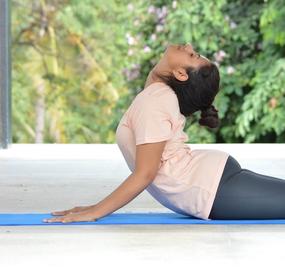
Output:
x=63 y=212
x=59 y=212
x=49 y=220
x=66 y=219
x=57 y=219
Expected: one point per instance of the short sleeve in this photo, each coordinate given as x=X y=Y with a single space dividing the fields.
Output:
x=151 y=122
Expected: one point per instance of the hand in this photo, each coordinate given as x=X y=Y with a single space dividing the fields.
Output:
x=85 y=215
x=73 y=210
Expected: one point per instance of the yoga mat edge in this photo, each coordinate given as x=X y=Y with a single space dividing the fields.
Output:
x=25 y=219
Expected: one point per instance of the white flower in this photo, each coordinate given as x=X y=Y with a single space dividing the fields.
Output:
x=131 y=40
x=136 y=22
x=222 y=53
x=233 y=25
x=146 y=49
x=130 y=7
x=151 y=9
x=230 y=69
x=153 y=37
x=219 y=56
x=174 y=4
x=159 y=28
x=161 y=12
x=130 y=52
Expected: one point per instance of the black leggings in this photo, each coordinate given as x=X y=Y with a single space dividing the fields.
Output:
x=244 y=194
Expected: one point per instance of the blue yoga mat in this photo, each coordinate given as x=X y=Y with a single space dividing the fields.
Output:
x=20 y=219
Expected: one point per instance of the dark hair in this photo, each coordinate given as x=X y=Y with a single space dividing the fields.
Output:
x=197 y=93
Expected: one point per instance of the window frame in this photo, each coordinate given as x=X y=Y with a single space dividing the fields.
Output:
x=5 y=75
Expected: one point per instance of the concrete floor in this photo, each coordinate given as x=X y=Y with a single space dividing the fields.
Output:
x=49 y=177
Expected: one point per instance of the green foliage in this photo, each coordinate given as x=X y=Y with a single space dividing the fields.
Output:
x=60 y=47
x=245 y=38
x=86 y=60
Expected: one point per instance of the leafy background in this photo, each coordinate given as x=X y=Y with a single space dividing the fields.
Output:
x=77 y=65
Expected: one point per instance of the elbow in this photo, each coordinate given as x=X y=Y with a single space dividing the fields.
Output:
x=147 y=176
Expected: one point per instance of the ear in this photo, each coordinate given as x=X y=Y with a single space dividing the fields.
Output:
x=180 y=74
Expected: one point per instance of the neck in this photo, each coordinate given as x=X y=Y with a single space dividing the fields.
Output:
x=161 y=68
x=151 y=78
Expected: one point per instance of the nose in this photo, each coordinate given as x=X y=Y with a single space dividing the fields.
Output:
x=189 y=46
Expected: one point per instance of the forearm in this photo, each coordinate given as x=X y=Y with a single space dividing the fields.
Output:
x=126 y=192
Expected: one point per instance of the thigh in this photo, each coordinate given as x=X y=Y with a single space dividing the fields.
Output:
x=250 y=195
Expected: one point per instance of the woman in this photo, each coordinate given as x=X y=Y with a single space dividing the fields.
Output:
x=203 y=183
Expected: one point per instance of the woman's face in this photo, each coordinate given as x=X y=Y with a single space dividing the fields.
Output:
x=183 y=56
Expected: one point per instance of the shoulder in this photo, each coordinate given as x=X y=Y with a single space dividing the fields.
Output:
x=166 y=99
x=155 y=101
x=159 y=95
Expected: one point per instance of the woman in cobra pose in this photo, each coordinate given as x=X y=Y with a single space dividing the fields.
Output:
x=204 y=183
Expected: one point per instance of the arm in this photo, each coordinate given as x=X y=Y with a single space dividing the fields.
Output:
x=121 y=196
x=148 y=157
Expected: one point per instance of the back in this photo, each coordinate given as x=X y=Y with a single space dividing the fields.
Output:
x=186 y=182
x=153 y=116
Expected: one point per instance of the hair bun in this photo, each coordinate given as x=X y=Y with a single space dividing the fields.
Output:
x=209 y=117
x=209 y=109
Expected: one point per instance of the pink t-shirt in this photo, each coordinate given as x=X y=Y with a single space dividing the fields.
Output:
x=187 y=180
